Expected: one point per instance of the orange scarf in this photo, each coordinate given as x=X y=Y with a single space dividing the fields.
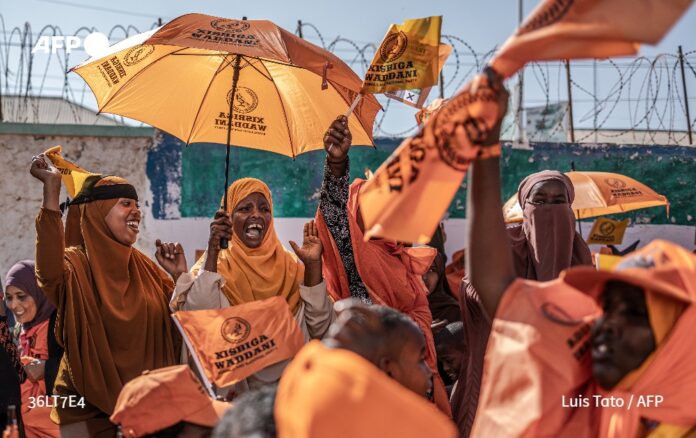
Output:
x=114 y=321
x=257 y=273
x=392 y=273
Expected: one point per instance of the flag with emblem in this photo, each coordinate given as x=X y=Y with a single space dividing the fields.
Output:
x=231 y=344
x=416 y=97
x=407 y=58
x=607 y=231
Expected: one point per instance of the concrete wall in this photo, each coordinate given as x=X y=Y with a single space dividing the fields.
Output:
x=118 y=151
x=176 y=192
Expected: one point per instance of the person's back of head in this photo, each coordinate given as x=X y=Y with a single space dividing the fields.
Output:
x=251 y=416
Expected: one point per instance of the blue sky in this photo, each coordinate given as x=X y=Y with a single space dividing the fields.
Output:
x=482 y=24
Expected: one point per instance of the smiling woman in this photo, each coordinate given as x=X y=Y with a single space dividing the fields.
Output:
x=111 y=299
x=257 y=266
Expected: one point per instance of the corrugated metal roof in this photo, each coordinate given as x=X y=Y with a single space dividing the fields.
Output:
x=50 y=110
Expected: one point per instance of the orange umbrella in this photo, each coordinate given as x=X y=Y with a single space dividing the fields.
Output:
x=216 y=80
x=598 y=194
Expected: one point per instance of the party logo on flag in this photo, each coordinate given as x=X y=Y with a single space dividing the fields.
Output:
x=607 y=231
x=407 y=58
x=235 y=329
x=230 y=344
x=393 y=46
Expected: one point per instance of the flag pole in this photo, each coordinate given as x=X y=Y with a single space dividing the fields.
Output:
x=353 y=105
x=235 y=79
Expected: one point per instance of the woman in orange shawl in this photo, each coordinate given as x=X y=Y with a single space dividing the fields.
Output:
x=257 y=266
x=378 y=271
x=112 y=300
x=587 y=354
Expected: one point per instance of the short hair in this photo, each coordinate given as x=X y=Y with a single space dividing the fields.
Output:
x=394 y=323
x=251 y=415
x=452 y=335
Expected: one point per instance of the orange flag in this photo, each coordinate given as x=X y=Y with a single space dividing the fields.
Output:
x=570 y=29
x=73 y=175
x=407 y=58
x=410 y=192
x=231 y=344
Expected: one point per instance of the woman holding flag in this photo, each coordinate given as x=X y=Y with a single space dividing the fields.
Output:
x=257 y=266
x=112 y=300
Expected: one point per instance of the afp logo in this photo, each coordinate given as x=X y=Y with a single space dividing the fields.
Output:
x=393 y=47
x=234 y=26
x=245 y=100
x=235 y=329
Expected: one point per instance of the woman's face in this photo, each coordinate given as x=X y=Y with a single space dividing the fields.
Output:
x=21 y=304
x=432 y=277
x=251 y=219
x=548 y=192
x=123 y=221
x=622 y=338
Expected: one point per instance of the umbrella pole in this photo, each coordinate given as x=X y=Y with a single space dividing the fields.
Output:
x=235 y=79
x=579 y=226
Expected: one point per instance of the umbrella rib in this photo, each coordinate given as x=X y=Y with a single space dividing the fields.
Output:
x=285 y=114
x=260 y=72
x=132 y=79
x=205 y=95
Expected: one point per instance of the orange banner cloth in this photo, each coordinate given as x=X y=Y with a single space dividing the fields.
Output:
x=392 y=273
x=539 y=353
x=573 y=29
x=424 y=173
x=233 y=343
x=407 y=58
x=334 y=392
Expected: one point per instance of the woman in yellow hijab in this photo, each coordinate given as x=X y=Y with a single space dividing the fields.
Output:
x=257 y=266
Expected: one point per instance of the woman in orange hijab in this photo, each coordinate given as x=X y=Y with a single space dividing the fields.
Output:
x=112 y=300
x=590 y=353
x=378 y=271
x=257 y=266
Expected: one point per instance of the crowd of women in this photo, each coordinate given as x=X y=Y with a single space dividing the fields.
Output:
x=397 y=342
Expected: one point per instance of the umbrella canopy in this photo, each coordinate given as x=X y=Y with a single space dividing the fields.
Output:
x=598 y=194
x=179 y=78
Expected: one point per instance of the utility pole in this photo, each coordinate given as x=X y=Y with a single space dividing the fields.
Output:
x=519 y=124
x=570 y=102
x=686 y=96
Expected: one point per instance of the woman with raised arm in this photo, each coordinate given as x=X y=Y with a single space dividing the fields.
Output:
x=112 y=300
x=378 y=271
x=589 y=353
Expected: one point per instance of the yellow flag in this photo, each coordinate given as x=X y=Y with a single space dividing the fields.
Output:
x=417 y=97
x=606 y=262
x=607 y=231
x=73 y=175
x=407 y=58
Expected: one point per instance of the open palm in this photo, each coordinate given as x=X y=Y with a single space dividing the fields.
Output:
x=311 y=249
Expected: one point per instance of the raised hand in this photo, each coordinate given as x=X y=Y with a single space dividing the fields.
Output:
x=337 y=140
x=171 y=258
x=310 y=254
x=311 y=249
x=43 y=170
x=220 y=228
